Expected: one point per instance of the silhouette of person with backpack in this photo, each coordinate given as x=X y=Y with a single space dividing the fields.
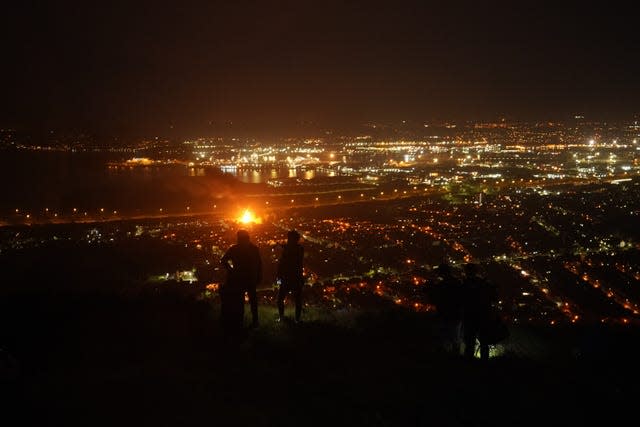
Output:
x=244 y=271
x=479 y=295
x=290 y=274
x=447 y=296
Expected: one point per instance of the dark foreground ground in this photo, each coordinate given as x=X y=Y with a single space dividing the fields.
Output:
x=160 y=360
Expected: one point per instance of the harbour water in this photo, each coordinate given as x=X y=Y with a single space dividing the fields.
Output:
x=41 y=182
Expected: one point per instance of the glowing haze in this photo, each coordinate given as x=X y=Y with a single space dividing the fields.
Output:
x=248 y=217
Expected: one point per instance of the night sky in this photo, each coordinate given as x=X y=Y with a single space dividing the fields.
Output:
x=194 y=67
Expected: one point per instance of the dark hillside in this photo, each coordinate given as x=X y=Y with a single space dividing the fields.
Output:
x=158 y=358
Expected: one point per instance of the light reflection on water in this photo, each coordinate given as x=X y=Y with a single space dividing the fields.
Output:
x=84 y=180
x=254 y=176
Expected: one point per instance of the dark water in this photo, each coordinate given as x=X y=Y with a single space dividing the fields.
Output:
x=42 y=183
x=61 y=181
x=30 y=180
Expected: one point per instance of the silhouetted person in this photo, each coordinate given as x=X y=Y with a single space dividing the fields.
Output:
x=290 y=273
x=478 y=298
x=448 y=298
x=244 y=271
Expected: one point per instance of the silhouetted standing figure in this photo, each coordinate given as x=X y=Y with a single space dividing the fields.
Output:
x=478 y=298
x=447 y=296
x=244 y=271
x=290 y=273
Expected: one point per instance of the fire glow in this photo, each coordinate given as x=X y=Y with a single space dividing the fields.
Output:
x=249 y=217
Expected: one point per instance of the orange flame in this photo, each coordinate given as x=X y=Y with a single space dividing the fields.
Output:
x=249 y=217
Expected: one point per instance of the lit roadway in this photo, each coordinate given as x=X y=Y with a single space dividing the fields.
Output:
x=228 y=207
x=271 y=202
